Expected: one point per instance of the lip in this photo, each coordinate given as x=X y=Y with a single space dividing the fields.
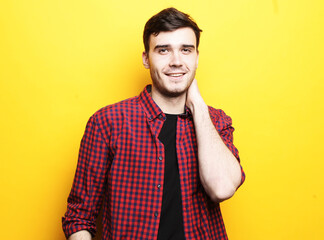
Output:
x=175 y=74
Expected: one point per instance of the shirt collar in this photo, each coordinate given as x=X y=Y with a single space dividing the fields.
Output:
x=151 y=109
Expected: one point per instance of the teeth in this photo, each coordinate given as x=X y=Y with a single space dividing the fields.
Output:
x=176 y=75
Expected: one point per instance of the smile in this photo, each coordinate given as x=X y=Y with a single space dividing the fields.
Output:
x=175 y=74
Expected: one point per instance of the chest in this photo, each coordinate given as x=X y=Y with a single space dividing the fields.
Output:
x=138 y=154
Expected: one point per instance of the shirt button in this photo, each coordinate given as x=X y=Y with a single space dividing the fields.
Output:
x=160 y=158
x=159 y=186
x=156 y=214
x=160 y=116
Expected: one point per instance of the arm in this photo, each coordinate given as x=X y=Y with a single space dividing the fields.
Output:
x=219 y=170
x=81 y=235
x=86 y=194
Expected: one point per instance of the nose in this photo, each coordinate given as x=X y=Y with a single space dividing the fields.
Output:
x=175 y=60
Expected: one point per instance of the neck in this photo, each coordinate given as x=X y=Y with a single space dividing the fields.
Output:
x=171 y=105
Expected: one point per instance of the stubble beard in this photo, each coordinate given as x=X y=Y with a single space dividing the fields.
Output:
x=166 y=92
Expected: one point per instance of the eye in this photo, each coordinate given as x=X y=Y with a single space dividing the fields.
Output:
x=186 y=50
x=163 y=50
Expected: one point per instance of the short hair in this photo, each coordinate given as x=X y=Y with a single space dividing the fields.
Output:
x=169 y=19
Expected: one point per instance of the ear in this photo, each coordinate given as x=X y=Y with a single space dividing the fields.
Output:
x=146 y=62
x=197 y=59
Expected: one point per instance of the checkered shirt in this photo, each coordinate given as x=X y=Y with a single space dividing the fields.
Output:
x=121 y=167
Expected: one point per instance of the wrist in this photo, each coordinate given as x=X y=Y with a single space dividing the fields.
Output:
x=198 y=107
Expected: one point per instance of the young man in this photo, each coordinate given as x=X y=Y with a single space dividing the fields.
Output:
x=161 y=162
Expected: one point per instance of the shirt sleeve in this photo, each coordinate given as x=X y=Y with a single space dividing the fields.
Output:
x=86 y=195
x=223 y=124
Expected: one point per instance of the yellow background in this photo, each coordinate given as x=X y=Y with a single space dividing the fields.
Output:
x=260 y=61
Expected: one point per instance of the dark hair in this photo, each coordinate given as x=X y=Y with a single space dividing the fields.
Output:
x=169 y=19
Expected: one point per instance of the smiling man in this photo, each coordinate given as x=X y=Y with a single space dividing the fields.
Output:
x=172 y=59
x=159 y=163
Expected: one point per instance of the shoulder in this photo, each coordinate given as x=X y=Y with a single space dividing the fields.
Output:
x=126 y=105
x=114 y=113
x=219 y=117
x=109 y=120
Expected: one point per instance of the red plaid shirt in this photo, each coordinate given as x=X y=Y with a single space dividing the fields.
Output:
x=121 y=164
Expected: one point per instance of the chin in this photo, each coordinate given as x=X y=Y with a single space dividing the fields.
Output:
x=170 y=88
x=174 y=92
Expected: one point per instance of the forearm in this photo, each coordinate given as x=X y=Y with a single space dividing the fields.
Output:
x=81 y=235
x=219 y=170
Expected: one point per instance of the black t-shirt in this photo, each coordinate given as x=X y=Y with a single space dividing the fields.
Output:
x=171 y=221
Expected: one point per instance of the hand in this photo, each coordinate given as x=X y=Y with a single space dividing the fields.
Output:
x=194 y=97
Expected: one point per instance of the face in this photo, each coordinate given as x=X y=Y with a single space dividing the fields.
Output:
x=172 y=60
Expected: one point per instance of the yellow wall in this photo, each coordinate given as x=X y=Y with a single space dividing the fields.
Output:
x=260 y=61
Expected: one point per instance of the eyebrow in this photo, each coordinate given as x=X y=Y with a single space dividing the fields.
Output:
x=161 y=46
x=167 y=45
x=188 y=46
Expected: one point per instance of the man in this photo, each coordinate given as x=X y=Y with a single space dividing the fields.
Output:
x=161 y=162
